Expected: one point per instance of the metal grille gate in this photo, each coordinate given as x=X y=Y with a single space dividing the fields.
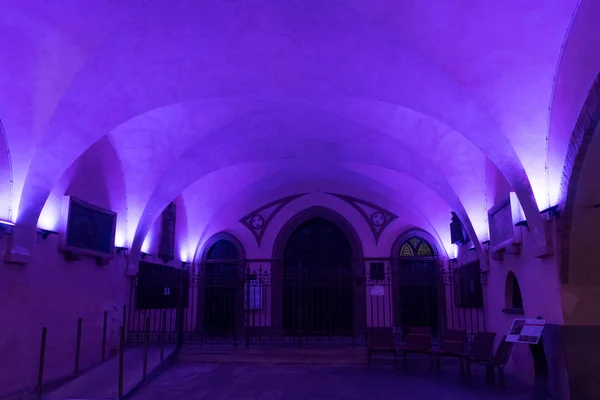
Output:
x=239 y=306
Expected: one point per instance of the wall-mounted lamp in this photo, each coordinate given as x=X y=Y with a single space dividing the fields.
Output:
x=144 y=255
x=472 y=248
x=522 y=223
x=453 y=260
x=553 y=211
x=6 y=227
x=122 y=250
x=44 y=233
x=184 y=264
x=486 y=245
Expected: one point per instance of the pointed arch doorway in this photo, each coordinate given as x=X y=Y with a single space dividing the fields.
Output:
x=317 y=295
x=417 y=283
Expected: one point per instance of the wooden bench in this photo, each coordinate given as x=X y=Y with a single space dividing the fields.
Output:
x=417 y=341
x=381 y=340
x=454 y=344
x=498 y=362
x=481 y=348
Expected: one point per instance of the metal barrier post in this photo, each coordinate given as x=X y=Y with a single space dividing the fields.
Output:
x=124 y=318
x=78 y=346
x=147 y=344
x=104 y=335
x=41 y=365
x=162 y=336
x=121 y=354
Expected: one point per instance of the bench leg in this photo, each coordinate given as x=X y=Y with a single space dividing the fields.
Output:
x=395 y=360
x=437 y=362
x=405 y=361
x=468 y=362
x=462 y=366
x=501 y=377
x=370 y=356
x=490 y=373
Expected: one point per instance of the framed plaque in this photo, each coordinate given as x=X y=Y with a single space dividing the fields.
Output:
x=502 y=224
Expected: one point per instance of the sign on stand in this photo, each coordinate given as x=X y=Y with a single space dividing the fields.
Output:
x=526 y=331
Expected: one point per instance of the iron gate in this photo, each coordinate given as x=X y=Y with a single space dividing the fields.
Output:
x=249 y=306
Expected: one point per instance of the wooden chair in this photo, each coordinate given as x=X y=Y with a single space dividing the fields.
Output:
x=481 y=348
x=381 y=340
x=498 y=361
x=453 y=344
x=417 y=341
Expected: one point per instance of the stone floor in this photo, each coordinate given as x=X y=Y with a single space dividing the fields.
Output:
x=270 y=382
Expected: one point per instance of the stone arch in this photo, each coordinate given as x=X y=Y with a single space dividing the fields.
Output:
x=230 y=237
x=358 y=266
x=581 y=137
x=107 y=190
x=6 y=179
x=229 y=153
x=437 y=248
x=317 y=212
x=578 y=242
x=208 y=317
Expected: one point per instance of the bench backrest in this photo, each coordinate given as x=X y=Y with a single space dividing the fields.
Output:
x=454 y=341
x=418 y=337
x=502 y=352
x=381 y=337
x=482 y=346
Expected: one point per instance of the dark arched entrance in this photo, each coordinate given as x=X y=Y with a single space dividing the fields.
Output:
x=222 y=298
x=418 y=285
x=318 y=281
x=350 y=270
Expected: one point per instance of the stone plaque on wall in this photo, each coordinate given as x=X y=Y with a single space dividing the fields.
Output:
x=501 y=225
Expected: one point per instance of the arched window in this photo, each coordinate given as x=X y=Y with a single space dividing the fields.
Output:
x=416 y=247
x=222 y=250
x=221 y=299
x=417 y=283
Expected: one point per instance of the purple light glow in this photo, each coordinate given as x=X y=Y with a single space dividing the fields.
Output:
x=137 y=139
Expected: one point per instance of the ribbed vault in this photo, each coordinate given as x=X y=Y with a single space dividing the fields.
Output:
x=401 y=97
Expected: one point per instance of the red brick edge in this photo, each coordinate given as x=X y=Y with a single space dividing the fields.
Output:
x=582 y=134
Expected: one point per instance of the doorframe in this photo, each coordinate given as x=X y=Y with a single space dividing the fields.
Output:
x=241 y=270
x=396 y=264
x=358 y=266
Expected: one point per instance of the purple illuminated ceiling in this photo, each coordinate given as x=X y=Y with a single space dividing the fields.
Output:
x=404 y=101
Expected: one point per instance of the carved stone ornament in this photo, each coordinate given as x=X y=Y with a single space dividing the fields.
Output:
x=378 y=218
x=258 y=220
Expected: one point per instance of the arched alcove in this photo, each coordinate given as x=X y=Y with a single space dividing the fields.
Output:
x=416 y=281
x=314 y=223
x=513 y=299
x=220 y=293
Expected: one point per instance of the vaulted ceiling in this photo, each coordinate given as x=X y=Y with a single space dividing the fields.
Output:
x=405 y=100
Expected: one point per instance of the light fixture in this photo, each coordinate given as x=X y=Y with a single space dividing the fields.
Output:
x=122 y=250
x=486 y=245
x=144 y=255
x=44 y=233
x=551 y=211
x=6 y=227
x=184 y=264
x=522 y=223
